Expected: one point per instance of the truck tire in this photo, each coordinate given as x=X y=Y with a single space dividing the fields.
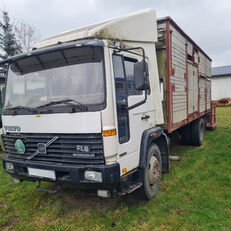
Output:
x=186 y=135
x=198 y=132
x=152 y=173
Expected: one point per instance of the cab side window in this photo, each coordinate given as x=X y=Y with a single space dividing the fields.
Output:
x=124 y=87
x=121 y=99
x=129 y=69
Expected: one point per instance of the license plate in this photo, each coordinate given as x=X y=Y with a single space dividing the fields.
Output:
x=42 y=173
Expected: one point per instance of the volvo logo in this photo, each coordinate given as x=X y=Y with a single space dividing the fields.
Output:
x=12 y=128
x=42 y=148
x=20 y=147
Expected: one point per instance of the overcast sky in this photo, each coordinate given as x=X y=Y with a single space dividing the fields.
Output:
x=207 y=22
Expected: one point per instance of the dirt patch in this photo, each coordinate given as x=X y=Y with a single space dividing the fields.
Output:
x=10 y=224
x=85 y=200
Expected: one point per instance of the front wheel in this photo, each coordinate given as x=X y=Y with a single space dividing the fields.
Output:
x=152 y=173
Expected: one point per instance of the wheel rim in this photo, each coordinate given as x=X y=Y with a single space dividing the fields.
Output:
x=202 y=132
x=154 y=171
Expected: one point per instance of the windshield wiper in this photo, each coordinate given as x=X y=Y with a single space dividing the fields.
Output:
x=14 y=109
x=66 y=101
x=19 y=107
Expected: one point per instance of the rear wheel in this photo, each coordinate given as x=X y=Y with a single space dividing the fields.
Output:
x=152 y=173
x=186 y=135
x=198 y=132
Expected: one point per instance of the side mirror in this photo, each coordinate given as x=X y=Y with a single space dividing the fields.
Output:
x=139 y=75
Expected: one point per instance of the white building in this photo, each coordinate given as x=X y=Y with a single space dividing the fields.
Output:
x=221 y=82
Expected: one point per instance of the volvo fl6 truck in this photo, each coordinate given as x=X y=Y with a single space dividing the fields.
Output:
x=93 y=107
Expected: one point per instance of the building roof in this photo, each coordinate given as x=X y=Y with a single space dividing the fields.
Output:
x=221 y=71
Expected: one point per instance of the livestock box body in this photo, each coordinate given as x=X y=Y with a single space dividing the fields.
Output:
x=185 y=72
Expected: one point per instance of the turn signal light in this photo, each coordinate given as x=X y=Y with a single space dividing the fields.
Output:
x=109 y=132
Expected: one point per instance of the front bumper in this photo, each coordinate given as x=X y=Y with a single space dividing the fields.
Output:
x=71 y=175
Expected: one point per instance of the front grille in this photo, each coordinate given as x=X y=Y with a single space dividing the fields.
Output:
x=61 y=151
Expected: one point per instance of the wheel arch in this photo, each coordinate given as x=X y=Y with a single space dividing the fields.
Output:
x=154 y=136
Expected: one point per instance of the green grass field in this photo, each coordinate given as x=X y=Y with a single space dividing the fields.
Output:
x=195 y=195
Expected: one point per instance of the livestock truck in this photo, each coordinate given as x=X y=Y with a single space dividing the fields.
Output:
x=94 y=107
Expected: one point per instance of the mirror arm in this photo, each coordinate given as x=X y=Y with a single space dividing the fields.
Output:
x=135 y=48
x=143 y=54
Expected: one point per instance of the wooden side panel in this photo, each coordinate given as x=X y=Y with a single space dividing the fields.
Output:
x=195 y=89
x=202 y=64
x=208 y=68
x=192 y=88
x=205 y=83
x=196 y=57
x=209 y=94
x=202 y=94
x=178 y=81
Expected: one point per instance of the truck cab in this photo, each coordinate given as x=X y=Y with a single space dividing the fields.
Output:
x=83 y=109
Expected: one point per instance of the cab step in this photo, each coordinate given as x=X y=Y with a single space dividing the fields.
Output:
x=128 y=188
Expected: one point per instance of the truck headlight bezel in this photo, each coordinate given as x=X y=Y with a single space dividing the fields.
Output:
x=9 y=166
x=93 y=176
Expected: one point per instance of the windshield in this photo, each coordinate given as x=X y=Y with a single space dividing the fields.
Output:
x=75 y=74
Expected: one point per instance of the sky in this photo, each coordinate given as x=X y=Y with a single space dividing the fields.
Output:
x=207 y=22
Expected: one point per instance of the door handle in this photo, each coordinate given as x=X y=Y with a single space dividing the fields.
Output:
x=146 y=117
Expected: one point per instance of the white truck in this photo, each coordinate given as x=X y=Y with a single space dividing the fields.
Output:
x=92 y=107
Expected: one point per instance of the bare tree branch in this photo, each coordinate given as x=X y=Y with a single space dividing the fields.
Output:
x=26 y=35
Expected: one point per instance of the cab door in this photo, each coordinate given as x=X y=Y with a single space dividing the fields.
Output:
x=130 y=123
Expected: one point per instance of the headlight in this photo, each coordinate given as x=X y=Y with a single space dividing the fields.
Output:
x=93 y=176
x=9 y=166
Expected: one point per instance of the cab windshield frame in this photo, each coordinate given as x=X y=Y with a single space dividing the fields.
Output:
x=62 y=108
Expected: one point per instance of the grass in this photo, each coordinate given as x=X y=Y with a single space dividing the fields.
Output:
x=196 y=195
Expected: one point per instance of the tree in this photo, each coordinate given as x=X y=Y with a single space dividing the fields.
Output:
x=26 y=36
x=8 y=43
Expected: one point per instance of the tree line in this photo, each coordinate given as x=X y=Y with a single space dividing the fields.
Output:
x=15 y=36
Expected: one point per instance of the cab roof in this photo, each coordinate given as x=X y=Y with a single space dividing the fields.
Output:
x=139 y=27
